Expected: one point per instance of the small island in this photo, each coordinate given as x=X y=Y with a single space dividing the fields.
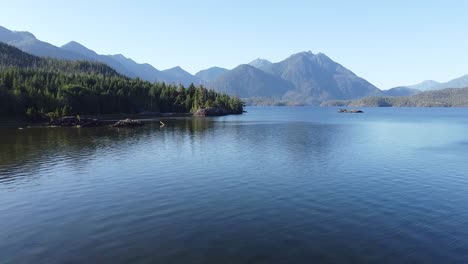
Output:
x=352 y=111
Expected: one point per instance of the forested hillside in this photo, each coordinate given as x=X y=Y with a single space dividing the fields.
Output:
x=36 y=88
x=441 y=98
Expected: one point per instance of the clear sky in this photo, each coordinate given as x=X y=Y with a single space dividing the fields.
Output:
x=389 y=43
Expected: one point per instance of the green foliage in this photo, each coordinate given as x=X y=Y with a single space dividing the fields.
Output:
x=38 y=88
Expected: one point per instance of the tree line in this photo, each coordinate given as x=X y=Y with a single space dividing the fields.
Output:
x=450 y=97
x=37 y=88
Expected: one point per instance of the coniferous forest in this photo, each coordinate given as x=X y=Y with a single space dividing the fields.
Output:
x=38 y=88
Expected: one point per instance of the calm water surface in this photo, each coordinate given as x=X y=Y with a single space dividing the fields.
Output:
x=276 y=185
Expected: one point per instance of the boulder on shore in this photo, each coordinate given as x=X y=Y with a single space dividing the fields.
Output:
x=128 y=123
x=74 y=121
x=350 y=111
x=211 y=111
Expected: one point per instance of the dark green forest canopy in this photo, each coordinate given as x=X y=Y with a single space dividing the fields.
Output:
x=33 y=87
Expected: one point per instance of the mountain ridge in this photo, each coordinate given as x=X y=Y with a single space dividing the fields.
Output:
x=449 y=97
x=304 y=77
x=73 y=50
x=247 y=81
x=210 y=74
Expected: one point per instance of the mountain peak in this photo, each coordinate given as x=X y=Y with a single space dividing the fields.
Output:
x=425 y=85
x=7 y=35
x=122 y=59
x=305 y=53
x=73 y=44
x=321 y=55
x=119 y=56
x=262 y=64
x=210 y=74
x=260 y=61
x=322 y=58
x=247 y=81
x=176 y=69
x=26 y=34
x=80 y=49
x=179 y=75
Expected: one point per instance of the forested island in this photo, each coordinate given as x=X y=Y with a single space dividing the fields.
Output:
x=37 y=89
x=454 y=97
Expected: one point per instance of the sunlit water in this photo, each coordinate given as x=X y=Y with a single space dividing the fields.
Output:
x=275 y=185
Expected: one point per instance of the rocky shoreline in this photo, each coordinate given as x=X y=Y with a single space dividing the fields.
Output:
x=128 y=123
x=77 y=121
x=213 y=111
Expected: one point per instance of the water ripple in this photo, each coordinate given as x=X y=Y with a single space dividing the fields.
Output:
x=243 y=189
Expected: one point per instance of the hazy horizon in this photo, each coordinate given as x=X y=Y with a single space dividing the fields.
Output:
x=389 y=44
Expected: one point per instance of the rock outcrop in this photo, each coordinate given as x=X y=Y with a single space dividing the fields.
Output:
x=211 y=111
x=128 y=123
x=74 y=121
x=353 y=111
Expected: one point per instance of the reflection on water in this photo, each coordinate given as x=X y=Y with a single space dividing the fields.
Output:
x=39 y=143
x=277 y=185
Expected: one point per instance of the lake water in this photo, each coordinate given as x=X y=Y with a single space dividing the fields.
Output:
x=275 y=185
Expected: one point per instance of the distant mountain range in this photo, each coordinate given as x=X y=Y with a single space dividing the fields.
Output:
x=246 y=81
x=75 y=51
x=449 y=97
x=424 y=86
x=302 y=78
x=430 y=85
x=401 y=91
x=264 y=65
x=210 y=74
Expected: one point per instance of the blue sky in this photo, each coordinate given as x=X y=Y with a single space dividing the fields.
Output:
x=389 y=43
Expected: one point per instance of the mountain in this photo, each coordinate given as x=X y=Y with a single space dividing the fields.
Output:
x=459 y=82
x=401 y=91
x=27 y=42
x=11 y=56
x=14 y=57
x=80 y=49
x=131 y=68
x=303 y=78
x=77 y=48
x=247 y=81
x=450 y=97
x=210 y=74
x=179 y=75
x=317 y=77
x=144 y=71
x=424 y=86
x=73 y=50
x=261 y=64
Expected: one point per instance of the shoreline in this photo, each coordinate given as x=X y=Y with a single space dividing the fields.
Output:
x=107 y=119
